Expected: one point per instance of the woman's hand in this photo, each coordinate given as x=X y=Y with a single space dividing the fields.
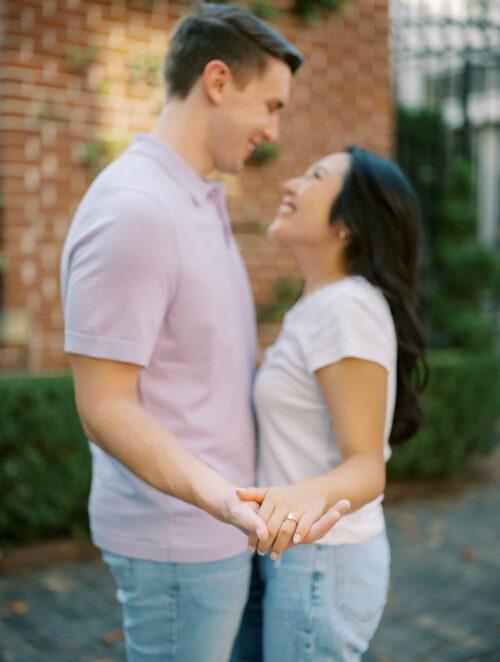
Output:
x=305 y=502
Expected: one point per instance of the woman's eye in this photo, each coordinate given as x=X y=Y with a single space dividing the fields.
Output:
x=317 y=174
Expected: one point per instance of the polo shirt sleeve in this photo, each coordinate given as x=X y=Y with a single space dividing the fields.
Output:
x=349 y=326
x=122 y=266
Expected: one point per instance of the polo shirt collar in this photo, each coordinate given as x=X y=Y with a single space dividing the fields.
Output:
x=198 y=187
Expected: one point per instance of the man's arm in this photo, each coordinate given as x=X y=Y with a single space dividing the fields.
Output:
x=113 y=418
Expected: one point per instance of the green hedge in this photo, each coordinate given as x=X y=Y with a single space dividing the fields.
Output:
x=44 y=461
x=461 y=414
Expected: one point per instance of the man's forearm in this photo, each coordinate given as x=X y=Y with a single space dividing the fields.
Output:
x=122 y=428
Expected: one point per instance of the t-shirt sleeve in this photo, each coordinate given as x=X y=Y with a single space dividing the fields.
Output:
x=121 y=271
x=350 y=326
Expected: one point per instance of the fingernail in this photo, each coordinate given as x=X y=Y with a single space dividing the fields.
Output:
x=297 y=538
x=260 y=553
x=274 y=556
x=251 y=548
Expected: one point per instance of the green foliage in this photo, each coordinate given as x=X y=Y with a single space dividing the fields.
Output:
x=463 y=329
x=44 y=460
x=266 y=10
x=264 y=152
x=465 y=271
x=145 y=69
x=104 y=88
x=309 y=9
x=48 y=112
x=468 y=270
x=80 y=58
x=421 y=141
x=460 y=276
x=460 y=293
x=461 y=413
x=286 y=293
x=97 y=153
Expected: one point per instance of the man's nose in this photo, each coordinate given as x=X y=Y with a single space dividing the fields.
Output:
x=272 y=131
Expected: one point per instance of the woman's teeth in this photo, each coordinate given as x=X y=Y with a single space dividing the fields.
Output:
x=286 y=207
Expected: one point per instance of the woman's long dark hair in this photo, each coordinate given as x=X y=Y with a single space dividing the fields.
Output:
x=381 y=210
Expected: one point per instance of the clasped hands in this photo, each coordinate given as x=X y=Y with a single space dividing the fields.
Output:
x=292 y=515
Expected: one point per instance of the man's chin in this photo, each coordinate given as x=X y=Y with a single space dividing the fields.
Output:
x=231 y=168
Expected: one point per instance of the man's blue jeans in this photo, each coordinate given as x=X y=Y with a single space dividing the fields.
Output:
x=182 y=612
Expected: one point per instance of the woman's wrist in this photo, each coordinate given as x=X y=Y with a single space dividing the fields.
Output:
x=319 y=487
x=360 y=479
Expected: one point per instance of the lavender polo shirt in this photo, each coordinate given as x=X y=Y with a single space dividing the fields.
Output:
x=151 y=275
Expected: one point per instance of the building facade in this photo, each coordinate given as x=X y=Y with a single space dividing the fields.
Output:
x=447 y=55
x=79 y=78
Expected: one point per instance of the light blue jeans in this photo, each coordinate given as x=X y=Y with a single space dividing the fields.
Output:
x=182 y=612
x=317 y=603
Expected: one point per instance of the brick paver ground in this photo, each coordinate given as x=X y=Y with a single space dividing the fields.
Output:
x=444 y=602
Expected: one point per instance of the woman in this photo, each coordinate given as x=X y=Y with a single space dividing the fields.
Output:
x=338 y=386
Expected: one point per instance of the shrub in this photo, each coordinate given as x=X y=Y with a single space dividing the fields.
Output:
x=44 y=460
x=99 y=152
x=264 y=152
x=461 y=412
x=286 y=293
x=466 y=286
x=461 y=288
x=80 y=59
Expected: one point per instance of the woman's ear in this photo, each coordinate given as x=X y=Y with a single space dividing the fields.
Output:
x=341 y=230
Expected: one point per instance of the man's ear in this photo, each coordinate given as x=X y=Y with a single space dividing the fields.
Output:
x=215 y=78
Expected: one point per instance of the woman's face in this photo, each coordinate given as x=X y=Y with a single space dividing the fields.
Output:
x=303 y=217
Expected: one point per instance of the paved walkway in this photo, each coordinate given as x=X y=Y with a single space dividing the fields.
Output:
x=444 y=602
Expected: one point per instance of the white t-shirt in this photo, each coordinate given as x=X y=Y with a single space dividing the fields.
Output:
x=347 y=318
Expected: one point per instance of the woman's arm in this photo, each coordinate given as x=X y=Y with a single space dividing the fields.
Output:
x=355 y=392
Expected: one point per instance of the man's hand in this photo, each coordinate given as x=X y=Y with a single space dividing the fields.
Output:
x=243 y=515
x=306 y=502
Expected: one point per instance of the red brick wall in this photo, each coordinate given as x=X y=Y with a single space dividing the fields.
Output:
x=50 y=111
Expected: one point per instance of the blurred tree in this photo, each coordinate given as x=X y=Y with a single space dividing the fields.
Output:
x=421 y=139
x=461 y=289
x=467 y=273
x=421 y=144
x=460 y=277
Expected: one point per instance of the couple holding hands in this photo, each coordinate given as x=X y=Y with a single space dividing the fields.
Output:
x=196 y=456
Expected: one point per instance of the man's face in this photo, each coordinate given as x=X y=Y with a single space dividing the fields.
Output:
x=248 y=116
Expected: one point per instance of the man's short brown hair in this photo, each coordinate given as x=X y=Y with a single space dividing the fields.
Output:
x=224 y=32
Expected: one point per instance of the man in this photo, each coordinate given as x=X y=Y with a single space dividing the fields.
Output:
x=161 y=334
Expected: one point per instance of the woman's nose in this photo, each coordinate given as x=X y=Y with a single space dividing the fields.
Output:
x=291 y=185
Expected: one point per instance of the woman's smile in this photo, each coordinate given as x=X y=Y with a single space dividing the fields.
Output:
x=287 y=206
